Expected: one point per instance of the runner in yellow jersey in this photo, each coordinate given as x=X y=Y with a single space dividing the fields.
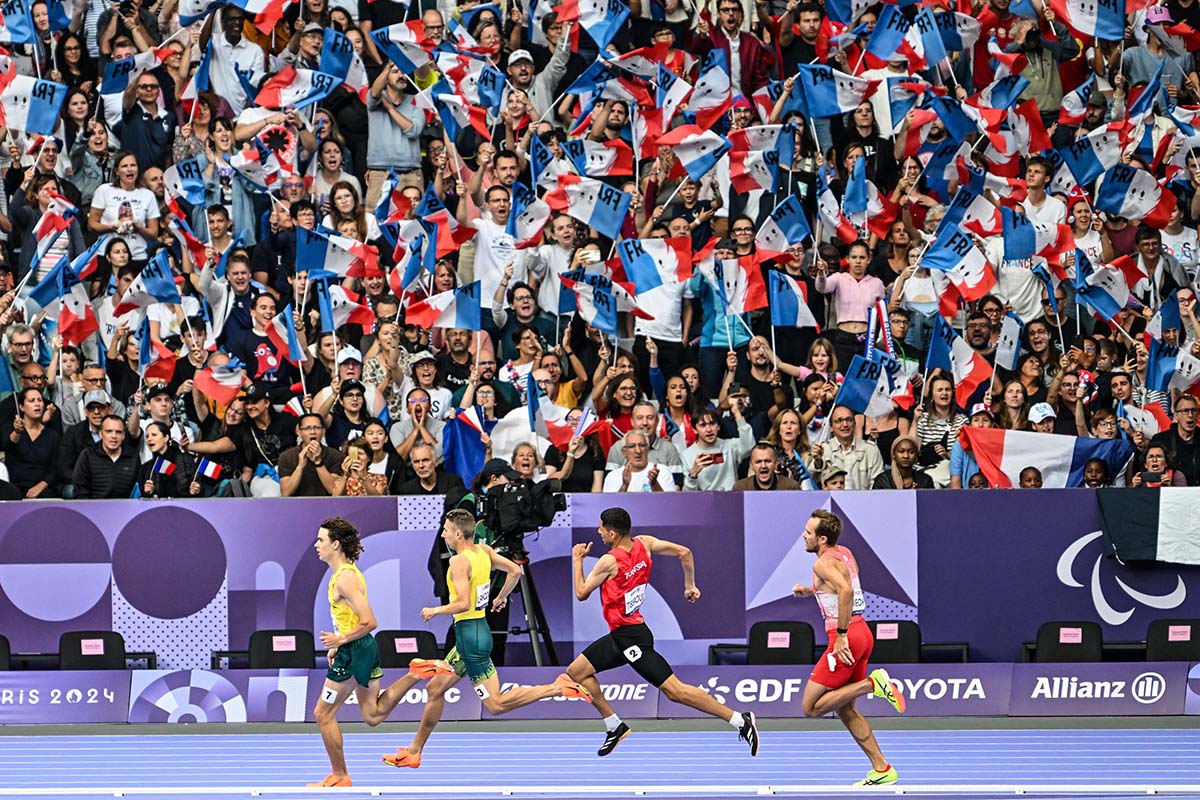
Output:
x=352 y=649
x=469 y=578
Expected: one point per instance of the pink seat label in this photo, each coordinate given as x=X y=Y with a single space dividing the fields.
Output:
x=406 y=644
x=91 y=647
x=887 y=630
x=1179 y=633
x=283 y=644
x=779 y=639
x=1070 y=635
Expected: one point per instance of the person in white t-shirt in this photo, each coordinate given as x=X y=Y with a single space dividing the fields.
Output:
x=1039 y=206
x=638 y=475
x=494 y=247
x=1181 y=242
x=547 y=262
x=1086 y=227
x=125 y=209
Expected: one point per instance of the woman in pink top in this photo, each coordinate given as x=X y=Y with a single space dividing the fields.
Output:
x=854 y=293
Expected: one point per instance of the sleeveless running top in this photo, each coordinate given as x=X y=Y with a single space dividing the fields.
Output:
x=479 y=585
x=344 y=618
x=828 y=601
x=622 y=595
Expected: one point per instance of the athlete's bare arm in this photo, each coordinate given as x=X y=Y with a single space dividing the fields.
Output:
x=460 y=576
x=512 y=572
x=836 y=577
x=657 y=547
x=349 y=590
x=605 y=568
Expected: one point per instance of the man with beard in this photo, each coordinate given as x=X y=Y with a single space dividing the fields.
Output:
x=609 y=120
x=485 y=372
x=454 y=363
x=764 y=383
x=978 y=334
x=762 y=477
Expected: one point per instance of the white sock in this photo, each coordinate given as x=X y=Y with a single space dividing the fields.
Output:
x=736 y=720
x=612 y=722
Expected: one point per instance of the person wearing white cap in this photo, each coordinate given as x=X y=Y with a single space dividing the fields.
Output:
x=349 y=368
x=1042 y=417
x=538 y=86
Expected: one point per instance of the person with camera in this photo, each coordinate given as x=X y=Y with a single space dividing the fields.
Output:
x=711 y=464
x=159 y=406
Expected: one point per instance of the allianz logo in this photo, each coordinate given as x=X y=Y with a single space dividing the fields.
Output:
x=940 y=688
x=612 y=691
x=1147 y=688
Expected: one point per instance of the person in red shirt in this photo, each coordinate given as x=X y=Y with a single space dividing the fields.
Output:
x=994 y=20
x=840 y=676
x=622 y=575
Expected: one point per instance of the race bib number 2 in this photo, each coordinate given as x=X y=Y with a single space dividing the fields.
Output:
x=634 y=599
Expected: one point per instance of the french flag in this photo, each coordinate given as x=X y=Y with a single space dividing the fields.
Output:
x=87 y=262
x=118 y=75
x=959 y=31
x=591 y=202
x=602 y=19
x=155 y=359
x=1029 y=133
x=712 y=95
x=188 y=241
x=949 y=352
x=1075 y=103
x=185 y=180
x=406 y=45
x=830 y=212
x=613 y=158
x=754 y=155
x=1088 y=157
x=339 y=59
x=546 y=418
x=1005 y=65
x=785 y=227
x=457 y=114
x=339 y=306
x=1150 y=419
x=1135 y=194
x=393 y=206
x=1024 y=239
x=209 y=469
x=201 y=81
x=155 y=284
x=865 y=206
x=457 y=308
x=29 y=104
x=76 y=317
x=528 y=216
x=829 y=93
x=972 y=212
x=866 y=389
x=669 y=94
x=1092 y=19
x=739 y=282
x=223 y=382
x=341 y=255
x=16 y=23
x=650 y=263
x=267 y=13
x=903 y=93
x=1105 y=290
x=968 y=270
x=888 y=36
x=163 y=467
x=296 y=88
x=789 y=302
x=1002 y=454
x=698 y=151
x=594 y=299
x=55 y=219
x=282 y=333
x=1181 y=39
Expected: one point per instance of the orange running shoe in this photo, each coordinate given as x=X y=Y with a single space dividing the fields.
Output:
x=425 y=668
x=332 y=780
x=572 y=689
x=403 y=758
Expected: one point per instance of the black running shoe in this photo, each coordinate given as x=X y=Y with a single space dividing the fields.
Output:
x=749 y=732
x=613 y=738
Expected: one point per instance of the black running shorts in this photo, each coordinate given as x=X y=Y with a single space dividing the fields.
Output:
x=632 y=645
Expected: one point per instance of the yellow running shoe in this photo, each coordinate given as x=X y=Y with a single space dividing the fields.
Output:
x=880 y=778
x=886 y=689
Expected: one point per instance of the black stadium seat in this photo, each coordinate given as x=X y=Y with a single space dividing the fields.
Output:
x=784 y=642
x=282 y=649
x=1173 y=640
x=91 y=650
x=398 y=647
x=896 y=642
x=1069 y=642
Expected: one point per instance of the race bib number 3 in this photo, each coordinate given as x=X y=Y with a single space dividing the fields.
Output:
x=483 y=594
x=634 y=599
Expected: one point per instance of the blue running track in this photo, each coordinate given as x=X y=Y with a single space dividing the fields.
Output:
x=662 y=765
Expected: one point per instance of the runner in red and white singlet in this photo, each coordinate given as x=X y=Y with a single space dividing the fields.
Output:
x=840 y=676
x=622 y=575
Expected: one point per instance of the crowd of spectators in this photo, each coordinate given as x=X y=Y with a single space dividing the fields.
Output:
x=689 y=394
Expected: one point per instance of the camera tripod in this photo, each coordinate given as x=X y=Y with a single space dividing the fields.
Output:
x=535 y=617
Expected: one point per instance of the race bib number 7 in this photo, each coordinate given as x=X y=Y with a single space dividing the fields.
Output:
x=483 y=594
x=634 y=599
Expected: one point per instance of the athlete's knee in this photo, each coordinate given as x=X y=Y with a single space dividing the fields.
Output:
x=674 y=691
x=324 y=712
x=373 y=719
x=494 y=705
x=809 y=706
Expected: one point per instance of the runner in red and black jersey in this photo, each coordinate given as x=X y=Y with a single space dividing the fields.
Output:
x=622 y=575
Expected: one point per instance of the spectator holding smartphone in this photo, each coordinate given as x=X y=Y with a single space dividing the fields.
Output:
x=710 y=464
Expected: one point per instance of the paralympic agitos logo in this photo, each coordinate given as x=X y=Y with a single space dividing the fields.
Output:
x=1110 y=615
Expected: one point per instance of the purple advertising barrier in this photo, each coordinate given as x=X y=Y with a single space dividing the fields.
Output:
x=946 y=690
x=768 y=691
x=53 y=697
x=630 y=696
x=995 y=565
x=200 y=695
x=462 y=704
x=1091 y=690
x=1192 y=703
